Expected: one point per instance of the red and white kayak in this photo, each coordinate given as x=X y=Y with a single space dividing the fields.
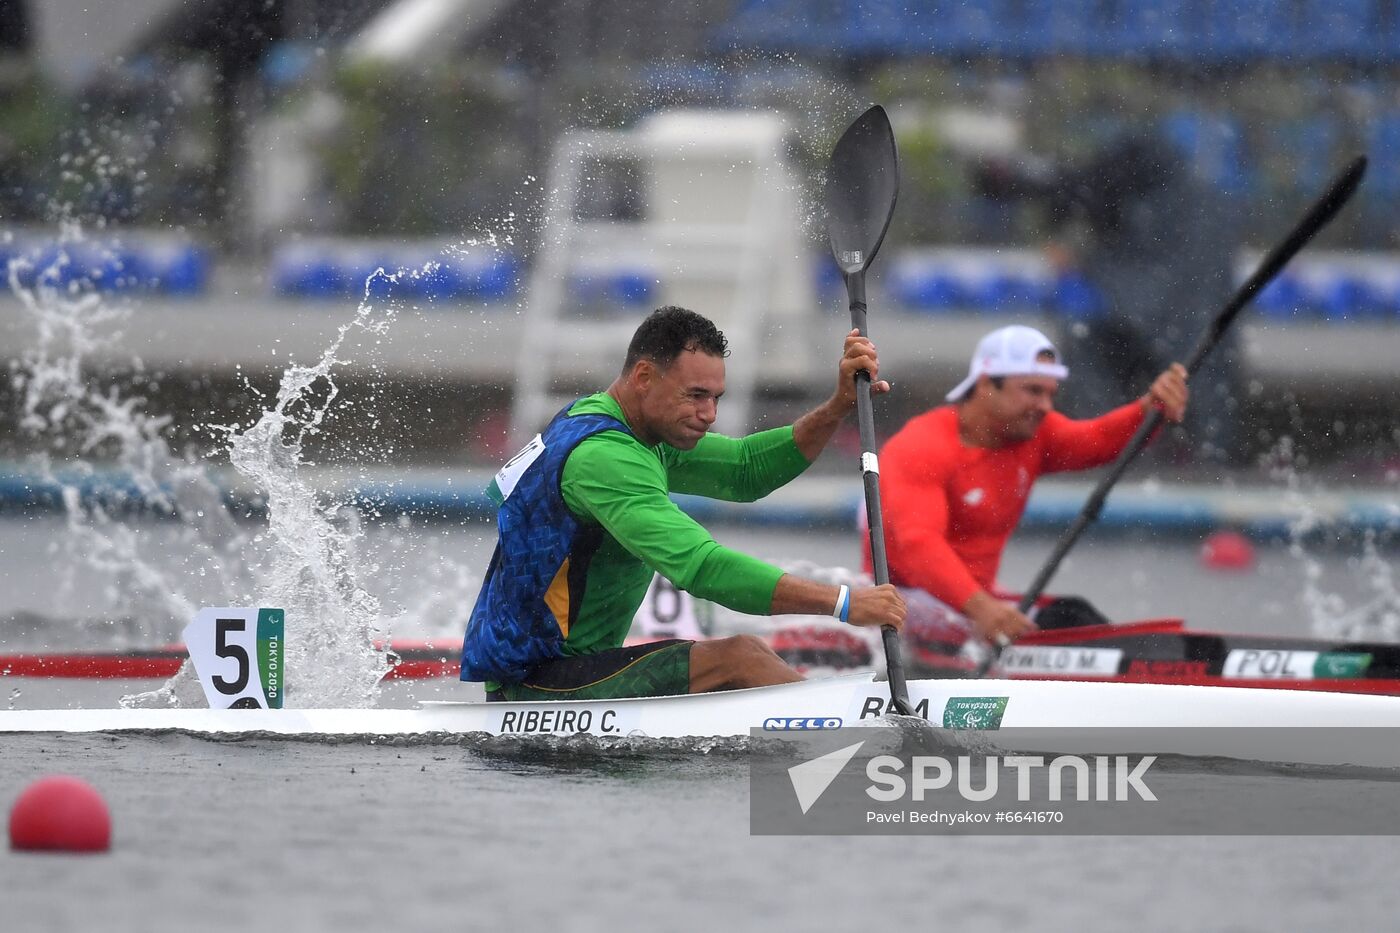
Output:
x=1108 y=717
x=1155 y=651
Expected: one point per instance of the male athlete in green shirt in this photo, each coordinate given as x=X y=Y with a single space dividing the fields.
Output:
x=554 y=630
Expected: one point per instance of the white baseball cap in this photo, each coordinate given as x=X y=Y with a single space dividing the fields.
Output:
x=1010 y=351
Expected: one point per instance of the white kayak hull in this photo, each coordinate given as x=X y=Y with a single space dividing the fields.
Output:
x=1198 y=721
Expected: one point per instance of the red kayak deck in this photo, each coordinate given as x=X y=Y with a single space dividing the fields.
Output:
x=1152 y=651
x=1165 y=651
x=412 y=660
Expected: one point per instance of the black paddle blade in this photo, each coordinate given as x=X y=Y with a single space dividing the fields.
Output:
x=862 y=184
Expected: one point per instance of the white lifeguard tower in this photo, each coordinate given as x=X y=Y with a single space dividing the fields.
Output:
x=702 y=209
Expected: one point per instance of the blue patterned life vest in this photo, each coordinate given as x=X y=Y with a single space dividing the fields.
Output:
x=541 y=561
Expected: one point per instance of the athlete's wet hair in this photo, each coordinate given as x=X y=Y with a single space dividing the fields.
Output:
x=668 y=332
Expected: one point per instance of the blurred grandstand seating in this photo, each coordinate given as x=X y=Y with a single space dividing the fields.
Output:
x=614 y=289
x=335 y=269
x=339 y=269
x=1200 y=32
x=1243 y=149
x=145 y=262
x=1321 y=287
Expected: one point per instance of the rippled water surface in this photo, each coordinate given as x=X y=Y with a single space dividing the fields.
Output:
x=316 y=836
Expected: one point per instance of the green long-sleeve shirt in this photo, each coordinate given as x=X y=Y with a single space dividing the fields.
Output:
x=615 y=480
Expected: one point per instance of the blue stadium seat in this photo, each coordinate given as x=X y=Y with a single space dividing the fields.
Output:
x=1390 y=303
x=1243 y=29
x=98 y=266
x=1332 y=27
x=828 y=276
x=173 y=269
x=1196 y=32
x=134 y=263
x=1062 y=26
x=302 y=273
x=500 y=280
x=1029 y=33
x=31 y=262
x=1281 y=298
x=343 y=270
x=1214 y=145
x=957 y=27
x=1122 y=28
x=436 y=281
x=1347 y=298
x=483 y=277
x=1384 y=150
x=634 y=289
x=1384 y=29
x=374 y=286
x=1007 y=291
x=1075 y=297
x=288 y=61
x=871 y=25
x=921 y=287
x=614 y=289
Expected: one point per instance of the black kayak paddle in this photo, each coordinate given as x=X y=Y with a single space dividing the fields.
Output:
x=862 y=184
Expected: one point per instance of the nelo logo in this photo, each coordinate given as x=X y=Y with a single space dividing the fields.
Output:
x=789 y=723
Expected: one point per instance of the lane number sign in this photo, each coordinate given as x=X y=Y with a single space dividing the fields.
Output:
x=239 y=655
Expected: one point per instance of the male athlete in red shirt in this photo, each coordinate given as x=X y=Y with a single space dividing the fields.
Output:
x=955 y=480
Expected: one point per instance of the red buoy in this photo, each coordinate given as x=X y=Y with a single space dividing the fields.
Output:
x=60 y=813
x=1227 y=550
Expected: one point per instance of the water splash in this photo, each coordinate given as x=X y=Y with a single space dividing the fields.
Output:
x=1370 y=610
x=77 y=424
x=306 y=561
x=314 y=565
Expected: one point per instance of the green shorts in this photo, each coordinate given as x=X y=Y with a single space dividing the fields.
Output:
x=658 y=668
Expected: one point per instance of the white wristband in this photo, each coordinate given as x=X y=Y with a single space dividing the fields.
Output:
x=843 y=603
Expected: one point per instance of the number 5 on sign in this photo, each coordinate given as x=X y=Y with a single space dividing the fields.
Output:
x=239 y=656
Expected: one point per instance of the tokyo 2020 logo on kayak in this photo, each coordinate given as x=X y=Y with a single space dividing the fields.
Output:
x=974 y=712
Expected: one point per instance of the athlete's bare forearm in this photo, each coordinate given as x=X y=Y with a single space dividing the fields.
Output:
x=813 y=430
x=868 y=605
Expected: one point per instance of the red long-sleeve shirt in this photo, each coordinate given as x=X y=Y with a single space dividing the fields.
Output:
x=949 y=508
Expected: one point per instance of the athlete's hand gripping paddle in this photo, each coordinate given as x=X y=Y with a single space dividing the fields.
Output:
x=862 y=183
x=1322 y=211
